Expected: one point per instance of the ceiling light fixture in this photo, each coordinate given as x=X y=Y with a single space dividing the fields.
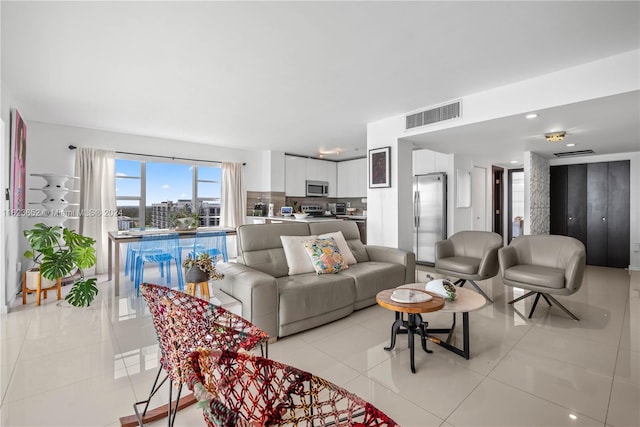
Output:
x=531 y=115
x=555 y=136
x=571 y=145
x=513 y=162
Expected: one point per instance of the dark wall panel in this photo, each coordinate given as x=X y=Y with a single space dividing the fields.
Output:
x=618 y=216
x=597 y=188
x=558 y=200
x=577 y=202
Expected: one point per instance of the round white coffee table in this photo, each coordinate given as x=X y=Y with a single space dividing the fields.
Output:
x=466 y=301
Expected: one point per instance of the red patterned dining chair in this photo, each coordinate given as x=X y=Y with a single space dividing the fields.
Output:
x=200 y=324
x=239 y=389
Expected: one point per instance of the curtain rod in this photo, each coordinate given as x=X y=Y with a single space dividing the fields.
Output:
x=73 y=147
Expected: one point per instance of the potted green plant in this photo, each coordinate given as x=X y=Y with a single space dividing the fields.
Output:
x=59 y=252
x=200 y=269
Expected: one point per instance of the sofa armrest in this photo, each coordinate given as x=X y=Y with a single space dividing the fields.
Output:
x=507 y=258
x=444 y=249
x=257 y=291
x=396 y=256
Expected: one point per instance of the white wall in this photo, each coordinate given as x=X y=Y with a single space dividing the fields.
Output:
x=47 y=151
x=11 y=283
x=609 y=76
x=634 y=160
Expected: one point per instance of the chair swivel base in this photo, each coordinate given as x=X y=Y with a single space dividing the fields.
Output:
x=546 y=297
x=475 y=285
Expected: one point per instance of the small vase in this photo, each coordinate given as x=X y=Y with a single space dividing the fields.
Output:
x=195 y=275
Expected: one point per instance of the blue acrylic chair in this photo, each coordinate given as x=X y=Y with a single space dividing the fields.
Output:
x=213 y=243
x=161 y=249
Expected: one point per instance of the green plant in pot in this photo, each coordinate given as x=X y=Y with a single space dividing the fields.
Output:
x=60 y=252
x=200 y=269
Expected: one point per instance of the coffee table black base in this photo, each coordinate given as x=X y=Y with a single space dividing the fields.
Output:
x=413 y=325
x=464 y=352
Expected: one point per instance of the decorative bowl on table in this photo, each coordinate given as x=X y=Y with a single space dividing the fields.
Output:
x=300 y=215
x=442 y=287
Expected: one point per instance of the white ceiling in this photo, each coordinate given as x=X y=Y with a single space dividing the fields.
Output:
x=305 y=77
x=605 y=125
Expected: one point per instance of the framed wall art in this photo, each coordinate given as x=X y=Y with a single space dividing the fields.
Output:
x=380 y=167
x=19 y=161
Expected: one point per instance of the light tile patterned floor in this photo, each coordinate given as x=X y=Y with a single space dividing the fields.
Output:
x=62 y=366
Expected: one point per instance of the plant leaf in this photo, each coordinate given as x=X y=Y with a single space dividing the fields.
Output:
x=43 y=236
x=57 y=264
x=82 y=293
x=84 y=257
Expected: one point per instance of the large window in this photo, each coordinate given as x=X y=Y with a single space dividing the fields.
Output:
x=149 y=194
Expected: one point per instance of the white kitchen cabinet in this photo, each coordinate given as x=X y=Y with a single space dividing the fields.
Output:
x=352 y=178
x=362 y=178
x=332 y=178
x=316 y=170
x=300 y=169
x=295 y=175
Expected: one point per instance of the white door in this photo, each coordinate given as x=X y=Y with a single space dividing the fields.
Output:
x=479 y=199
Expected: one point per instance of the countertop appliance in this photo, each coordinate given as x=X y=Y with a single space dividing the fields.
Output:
x=338 y=208
x=317 y=188
x=429 y=215
x=312 y=210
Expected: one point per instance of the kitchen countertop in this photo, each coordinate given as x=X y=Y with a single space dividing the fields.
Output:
x=351 y=216
x=292 y=218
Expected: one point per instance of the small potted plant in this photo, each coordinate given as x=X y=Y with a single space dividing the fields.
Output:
x=200 y=269
x=60 y=252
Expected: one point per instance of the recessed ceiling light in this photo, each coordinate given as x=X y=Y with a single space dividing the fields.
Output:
x=531 y=116
x=513 y=162
x=571 y=145
x=573 y=416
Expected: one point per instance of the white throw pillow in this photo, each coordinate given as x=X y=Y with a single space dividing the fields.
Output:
x=343 y=246
x=297 y=258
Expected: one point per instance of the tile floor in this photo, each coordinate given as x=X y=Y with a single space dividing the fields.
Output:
x=62 y=366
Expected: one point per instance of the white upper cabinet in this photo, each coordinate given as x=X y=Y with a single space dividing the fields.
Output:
x=300 y=169
x=316 y=170
x=352 y=178
x=346 y=179
x=332 y=178
x=295 y=176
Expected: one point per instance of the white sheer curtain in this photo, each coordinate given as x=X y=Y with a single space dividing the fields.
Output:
x=96 y=169
x=234 y=204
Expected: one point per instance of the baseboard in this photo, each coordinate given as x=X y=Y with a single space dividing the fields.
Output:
x=634 y=267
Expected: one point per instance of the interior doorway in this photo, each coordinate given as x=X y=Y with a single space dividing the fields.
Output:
x=516 y=219
x=479 y=199
x=497 y=197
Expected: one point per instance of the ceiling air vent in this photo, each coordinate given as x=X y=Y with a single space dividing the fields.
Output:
x=434 y=115
x=574 y=153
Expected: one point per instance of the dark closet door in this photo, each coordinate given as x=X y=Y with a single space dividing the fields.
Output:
x=558 y=201
x=618 y=217
x=577 y=202
x=597 y=199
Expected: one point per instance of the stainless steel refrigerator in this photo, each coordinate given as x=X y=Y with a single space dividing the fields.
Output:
x=429 y=215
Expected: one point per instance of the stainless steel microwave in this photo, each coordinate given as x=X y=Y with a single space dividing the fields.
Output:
x=317 y=188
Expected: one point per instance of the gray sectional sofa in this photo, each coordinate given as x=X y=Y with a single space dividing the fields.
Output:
x=281 y=304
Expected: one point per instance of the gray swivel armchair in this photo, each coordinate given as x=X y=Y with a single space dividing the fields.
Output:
x=545 y=265
x=470 y=256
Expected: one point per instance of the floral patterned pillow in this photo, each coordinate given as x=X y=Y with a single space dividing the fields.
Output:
x=325 y=255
